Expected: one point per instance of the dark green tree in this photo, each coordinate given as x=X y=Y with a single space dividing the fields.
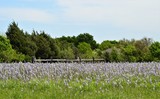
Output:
x=107 y=56
x=54 y=48
x=86 y=37
x=43 y=46
x=155 y=51
x=16 y=36
x=21 y=41
x=68 y=39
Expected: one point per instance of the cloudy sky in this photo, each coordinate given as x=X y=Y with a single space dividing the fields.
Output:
x=104 y=19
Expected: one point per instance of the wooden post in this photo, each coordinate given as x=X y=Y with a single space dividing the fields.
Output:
x=79 y=59
x=93 y=59
x=51 y=60
x=33 y=59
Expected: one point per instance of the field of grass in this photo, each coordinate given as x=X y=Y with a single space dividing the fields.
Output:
x=80 y=81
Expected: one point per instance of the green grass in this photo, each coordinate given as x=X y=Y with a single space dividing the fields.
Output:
x=49 y=89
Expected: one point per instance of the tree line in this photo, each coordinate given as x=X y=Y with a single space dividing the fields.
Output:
x=22 y=46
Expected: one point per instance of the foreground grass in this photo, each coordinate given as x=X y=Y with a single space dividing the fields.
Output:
x=49 y=89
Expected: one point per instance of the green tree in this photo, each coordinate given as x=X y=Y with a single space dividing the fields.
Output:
x=107 y=56
x=30 y=46
x=86 y=37
x=21 y=41
x=115 y=55
x=142 y=49
x=155 y=51
x=107 y=44
x=43 y=46
x=66 y=50
x=67 y=53
x=97 y=53
x=85 y=50
x=7 y=54
x=16 y=36
x=54 y=48
x=129 y=53
x=68 y=39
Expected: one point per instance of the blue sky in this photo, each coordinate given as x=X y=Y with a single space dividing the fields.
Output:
x=104 y=19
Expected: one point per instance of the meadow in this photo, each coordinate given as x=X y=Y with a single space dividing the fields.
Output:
x=80 y=80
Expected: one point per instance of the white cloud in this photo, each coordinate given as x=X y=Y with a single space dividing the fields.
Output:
x=26 y=14
x=137 y=14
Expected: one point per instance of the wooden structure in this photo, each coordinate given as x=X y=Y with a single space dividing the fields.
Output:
x=67 y=60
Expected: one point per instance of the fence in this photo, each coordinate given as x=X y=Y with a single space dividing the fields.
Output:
x=67 y=60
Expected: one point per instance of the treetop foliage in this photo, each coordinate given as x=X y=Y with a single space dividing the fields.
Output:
x=22 y=46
